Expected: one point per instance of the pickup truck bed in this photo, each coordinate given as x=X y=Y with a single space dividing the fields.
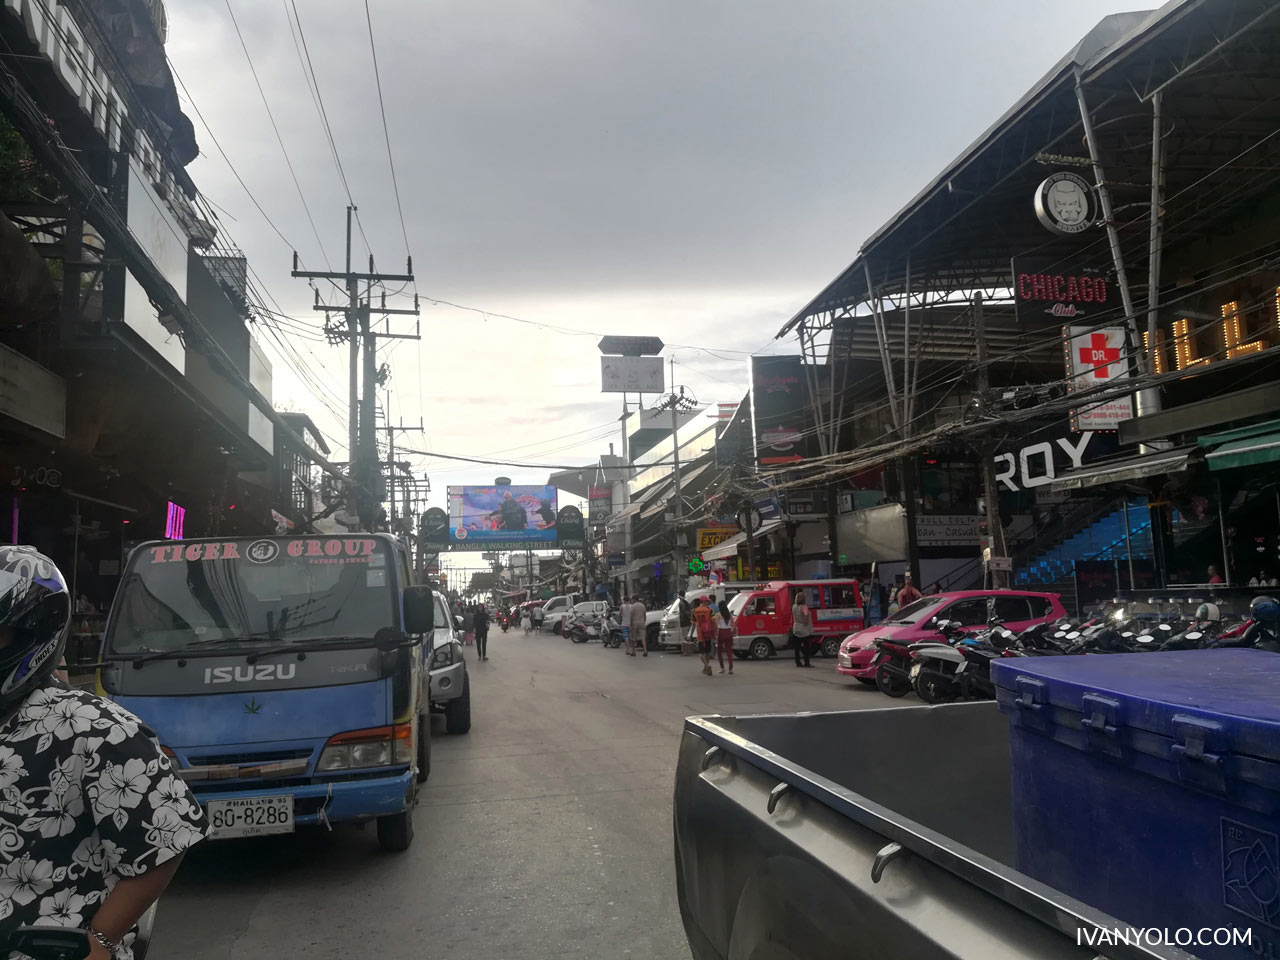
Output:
x=784 y=824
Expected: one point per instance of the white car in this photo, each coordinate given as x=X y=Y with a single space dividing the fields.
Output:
x=450 y=686
x=555 y=610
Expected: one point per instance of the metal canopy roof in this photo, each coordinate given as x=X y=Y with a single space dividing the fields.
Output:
x=1217 y=63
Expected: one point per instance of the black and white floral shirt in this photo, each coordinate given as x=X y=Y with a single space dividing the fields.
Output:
x=86 y=797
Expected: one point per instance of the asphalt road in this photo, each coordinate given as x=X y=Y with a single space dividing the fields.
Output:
x=543 y=833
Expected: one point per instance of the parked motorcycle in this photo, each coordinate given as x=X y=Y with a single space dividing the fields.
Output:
x=611 y=632
x=934 y=667
x=576 y=630
x=894 y=660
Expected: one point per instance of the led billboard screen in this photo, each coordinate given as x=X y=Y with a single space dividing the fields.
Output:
x=502 y=518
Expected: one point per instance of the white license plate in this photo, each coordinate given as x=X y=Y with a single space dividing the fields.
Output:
x=915 y=670
x=250 y=816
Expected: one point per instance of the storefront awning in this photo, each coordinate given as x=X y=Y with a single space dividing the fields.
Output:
x=725 y=548
x=1123 y=471
x=1245 y=447
x=729 y=548
x=635 y=565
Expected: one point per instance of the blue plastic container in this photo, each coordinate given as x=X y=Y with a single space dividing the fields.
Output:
x=1148 y=785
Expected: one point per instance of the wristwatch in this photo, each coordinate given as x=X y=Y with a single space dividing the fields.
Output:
x=111 y=946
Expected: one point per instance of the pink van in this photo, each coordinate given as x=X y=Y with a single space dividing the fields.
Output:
x=1016 y=609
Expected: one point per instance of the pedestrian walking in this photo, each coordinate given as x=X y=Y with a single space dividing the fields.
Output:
x=908 y=593
x=469 y=624
x=526 y=620
x=538 y=616
x=724 y=637
x=635 y=620
x=686 y=623
x=624 y=624
x=705 y=627
x=801 y=629
x=481 y=620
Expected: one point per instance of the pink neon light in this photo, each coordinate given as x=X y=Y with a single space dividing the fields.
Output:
x=174 y=521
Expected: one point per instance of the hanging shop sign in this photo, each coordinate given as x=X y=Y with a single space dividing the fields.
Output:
x=569 y=528
x=631 y=375
x=434 y=527
x=708 y=537
x=1066 y=204
x=778 y=410
x=1096 y=358
x=600 y=500
x=1048 y=287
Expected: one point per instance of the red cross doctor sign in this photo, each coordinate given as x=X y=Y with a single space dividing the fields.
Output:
x=1097 y=358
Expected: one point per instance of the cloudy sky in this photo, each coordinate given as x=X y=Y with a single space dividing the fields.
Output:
x=691 y=169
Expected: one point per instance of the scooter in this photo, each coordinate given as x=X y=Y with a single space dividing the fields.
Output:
x=894 y=659
x=934 y=665
x=611 y=633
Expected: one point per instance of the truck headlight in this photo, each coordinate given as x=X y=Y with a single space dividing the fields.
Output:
x=375 y=747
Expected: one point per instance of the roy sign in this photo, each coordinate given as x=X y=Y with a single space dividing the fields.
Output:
x=1038 y=464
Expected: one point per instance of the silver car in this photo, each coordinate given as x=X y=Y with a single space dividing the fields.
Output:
x=447 y=670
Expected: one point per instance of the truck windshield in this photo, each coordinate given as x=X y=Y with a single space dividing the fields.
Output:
x=185 y=595
x=737 y=602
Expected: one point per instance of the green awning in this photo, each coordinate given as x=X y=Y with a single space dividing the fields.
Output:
x=1245 y=453
x=1239 y=433
x=1249 y=446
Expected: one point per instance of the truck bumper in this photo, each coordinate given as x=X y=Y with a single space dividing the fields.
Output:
x=339 y=800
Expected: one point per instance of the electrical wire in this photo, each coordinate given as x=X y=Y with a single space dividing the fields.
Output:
x=386 y=133
x=279 y=139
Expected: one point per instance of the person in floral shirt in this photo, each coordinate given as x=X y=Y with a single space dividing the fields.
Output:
x=94 y=820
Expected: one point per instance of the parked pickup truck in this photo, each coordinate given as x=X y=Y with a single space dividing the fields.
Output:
x=883 y=834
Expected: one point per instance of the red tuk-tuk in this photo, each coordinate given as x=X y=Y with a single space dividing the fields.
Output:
x=762 y=625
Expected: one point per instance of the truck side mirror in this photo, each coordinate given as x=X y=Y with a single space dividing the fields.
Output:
x=419 y=609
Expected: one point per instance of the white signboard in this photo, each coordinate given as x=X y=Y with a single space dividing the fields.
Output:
x=631 y=375
x=1097 y=358
x=945 y=530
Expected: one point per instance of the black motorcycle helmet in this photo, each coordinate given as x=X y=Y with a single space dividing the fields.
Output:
x=1264 y=608
x=35 y=617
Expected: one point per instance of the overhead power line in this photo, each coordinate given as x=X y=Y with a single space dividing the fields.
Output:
x=279 y=139
x=386 y=135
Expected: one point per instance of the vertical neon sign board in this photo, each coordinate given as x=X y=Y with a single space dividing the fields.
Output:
x=174 y=521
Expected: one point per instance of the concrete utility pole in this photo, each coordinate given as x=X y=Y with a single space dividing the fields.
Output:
x=998 y=554
x=676 y=403
x=364 y=469
x=392 y=430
